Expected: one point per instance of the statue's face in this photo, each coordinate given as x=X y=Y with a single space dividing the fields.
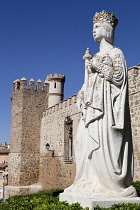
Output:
x=98 y=32
x=103 y=30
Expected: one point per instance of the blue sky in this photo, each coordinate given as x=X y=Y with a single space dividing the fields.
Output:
x=40 y=37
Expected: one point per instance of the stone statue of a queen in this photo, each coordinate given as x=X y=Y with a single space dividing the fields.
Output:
x=103 y=146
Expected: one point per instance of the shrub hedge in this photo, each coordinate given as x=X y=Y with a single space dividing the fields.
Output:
x=122 y=206
x=44 y=200
x=49 y=200
x=137 y=186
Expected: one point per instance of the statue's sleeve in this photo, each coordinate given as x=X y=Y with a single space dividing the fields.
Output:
x=119 y=67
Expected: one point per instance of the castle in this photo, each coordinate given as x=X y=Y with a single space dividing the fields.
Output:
x=43 y=132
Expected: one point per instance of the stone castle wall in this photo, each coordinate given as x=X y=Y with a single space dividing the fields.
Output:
x=53 y=133
x=28 y=105
x=134 y=101
x=55 y=172
x=53 y=125
x=34 y=125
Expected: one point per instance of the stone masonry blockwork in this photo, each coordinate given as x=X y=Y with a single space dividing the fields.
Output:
x=134 y=101
x=28 y=105
x=34 y=125
x=54 y=172
x=24 y=169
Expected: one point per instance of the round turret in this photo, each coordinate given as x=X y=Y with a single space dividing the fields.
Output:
x=56 y=88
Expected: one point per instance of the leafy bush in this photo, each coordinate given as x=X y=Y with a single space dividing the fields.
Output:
x=49 y=200
x=44 y=200
x=122 y=206
x=137 y=186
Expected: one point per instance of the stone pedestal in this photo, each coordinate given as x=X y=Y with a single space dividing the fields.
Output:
x=92 y=201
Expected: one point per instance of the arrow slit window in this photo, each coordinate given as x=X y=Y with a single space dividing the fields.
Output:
x=68 y=140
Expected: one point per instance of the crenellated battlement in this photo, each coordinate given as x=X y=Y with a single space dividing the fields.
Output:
x=62 y=105
x=55 y=77
x=134 y=70
x=134 y=67
x=134 y=79
x=21 y=84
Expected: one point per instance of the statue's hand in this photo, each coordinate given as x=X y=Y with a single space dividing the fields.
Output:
x=88 y=69
x=96 y=63
x=101 y=64
x=108 y=75
x=88 y=103
x=101 y=75
x=97 y=66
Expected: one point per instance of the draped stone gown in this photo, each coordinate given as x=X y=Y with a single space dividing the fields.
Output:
x=103 y=146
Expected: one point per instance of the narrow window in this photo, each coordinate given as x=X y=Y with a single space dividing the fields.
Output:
x=68 y=140
x=18 y=85
x=55 y=85
x=1 y=173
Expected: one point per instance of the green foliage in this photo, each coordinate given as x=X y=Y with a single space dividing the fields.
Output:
x=137 y=186
x=122 y=206
x=44 y=200
x=49 y=200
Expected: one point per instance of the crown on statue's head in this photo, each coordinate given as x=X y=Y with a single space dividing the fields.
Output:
x=105 y=17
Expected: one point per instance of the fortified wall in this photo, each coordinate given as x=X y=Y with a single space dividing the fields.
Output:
x=58 y=129
x=53 y=128
x=37 y=124
x=134 y=102
x=28 y=105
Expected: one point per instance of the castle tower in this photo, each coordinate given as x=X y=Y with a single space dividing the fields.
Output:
x=28 y=105
x=134 y=102
x=56 y=88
